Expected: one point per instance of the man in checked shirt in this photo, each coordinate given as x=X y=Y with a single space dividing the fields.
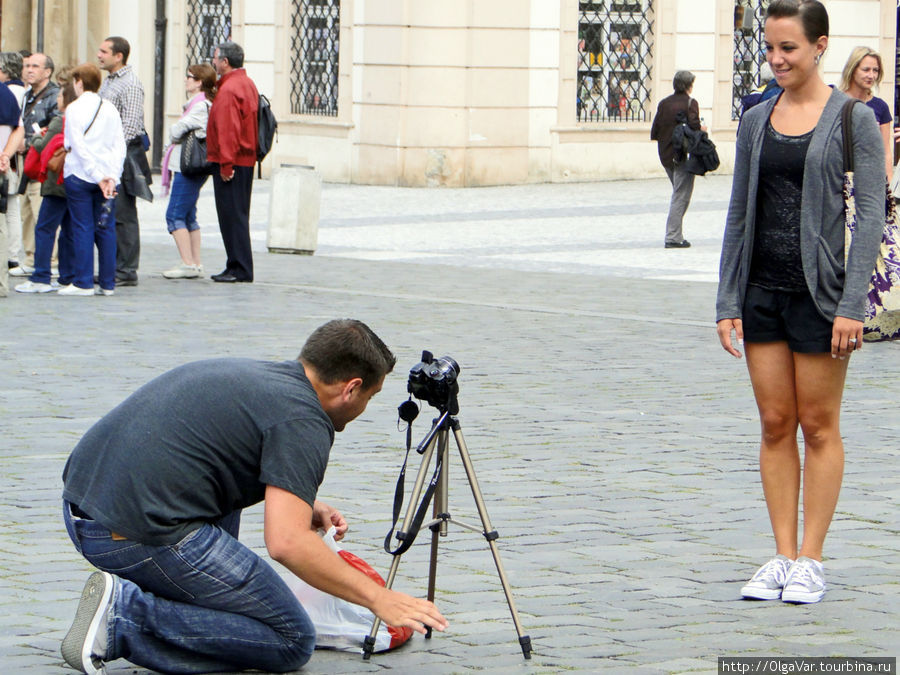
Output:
x=123 y=89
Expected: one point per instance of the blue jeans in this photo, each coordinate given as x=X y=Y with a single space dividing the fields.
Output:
x=182 y=209
x=85 y=201
x=52 y=214
x=205 y=604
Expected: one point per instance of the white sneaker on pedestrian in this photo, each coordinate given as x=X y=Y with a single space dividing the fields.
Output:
x=34 y=287
x=84 y=647
x=805 y=582
x=200 y=271
x=769 y=579
x=21 y=271
x=182 y=271
x=72 y=289
x=105 y=291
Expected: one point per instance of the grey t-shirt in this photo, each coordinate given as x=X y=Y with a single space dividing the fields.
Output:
x=198 y=443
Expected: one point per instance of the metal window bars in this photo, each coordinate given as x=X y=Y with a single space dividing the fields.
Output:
x=749 y=50
x=208 y=25
x=615 y=43
x=315 y=45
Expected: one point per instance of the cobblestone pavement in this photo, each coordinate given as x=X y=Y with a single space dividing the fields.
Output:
x=614 y=441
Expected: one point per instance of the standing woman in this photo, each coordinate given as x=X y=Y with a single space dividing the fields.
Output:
x=181 y=215
x=96 y=152
x=783 y=292
x=862 y=74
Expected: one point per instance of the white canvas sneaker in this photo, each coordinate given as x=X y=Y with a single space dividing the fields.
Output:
x=84 y=647
x=769 y=579
x=805 y=582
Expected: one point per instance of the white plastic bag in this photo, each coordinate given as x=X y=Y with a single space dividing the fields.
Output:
x=341 y=624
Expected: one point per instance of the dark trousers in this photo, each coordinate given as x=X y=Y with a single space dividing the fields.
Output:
x=233 y=210
x=128 y=235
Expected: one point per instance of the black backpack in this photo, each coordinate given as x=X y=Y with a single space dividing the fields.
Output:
x=267 y=130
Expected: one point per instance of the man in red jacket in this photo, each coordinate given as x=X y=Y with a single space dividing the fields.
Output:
x=231 y=138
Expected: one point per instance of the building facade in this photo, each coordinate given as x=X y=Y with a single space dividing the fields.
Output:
x=465 y=93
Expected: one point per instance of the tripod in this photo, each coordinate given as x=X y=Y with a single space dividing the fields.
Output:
x=438 y=438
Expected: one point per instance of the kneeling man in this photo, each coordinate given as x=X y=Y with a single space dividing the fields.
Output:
x=153 y=495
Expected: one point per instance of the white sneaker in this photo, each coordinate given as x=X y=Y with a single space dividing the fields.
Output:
x=182 y=271
x=769 y=579
x=72 y=289
x=84 y=647
x=200 y=271
x=33 y=287
x=105 y=291
x=21 y=271
x=805 y=582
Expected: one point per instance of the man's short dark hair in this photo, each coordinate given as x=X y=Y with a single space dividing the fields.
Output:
x=119 y=45
x=346 y=348
x=48 y=63
x=233 y=52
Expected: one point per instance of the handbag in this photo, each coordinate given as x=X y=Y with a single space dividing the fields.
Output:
x=193 y=156
x=57 y=160
x=882 y=317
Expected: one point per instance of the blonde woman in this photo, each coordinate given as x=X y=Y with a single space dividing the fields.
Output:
x=861 y=76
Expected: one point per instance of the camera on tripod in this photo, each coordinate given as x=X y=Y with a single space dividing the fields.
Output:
x=434 y=381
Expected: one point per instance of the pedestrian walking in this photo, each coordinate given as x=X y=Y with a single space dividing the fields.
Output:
x=784 y=292
x=674 y=110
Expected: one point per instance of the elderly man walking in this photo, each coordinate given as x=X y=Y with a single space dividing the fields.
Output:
x=124 y=90
x=231 y=139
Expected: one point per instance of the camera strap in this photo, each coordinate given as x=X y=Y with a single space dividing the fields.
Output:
x=407 y=538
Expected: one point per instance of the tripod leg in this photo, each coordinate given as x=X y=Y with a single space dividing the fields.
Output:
x=438 y=529
x=491 y=535
x=369 y=642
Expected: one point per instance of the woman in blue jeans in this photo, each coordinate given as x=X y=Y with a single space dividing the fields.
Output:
x=181 y=216
x=96 y=153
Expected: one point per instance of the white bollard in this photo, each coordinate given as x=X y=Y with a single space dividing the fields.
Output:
x=294 y=210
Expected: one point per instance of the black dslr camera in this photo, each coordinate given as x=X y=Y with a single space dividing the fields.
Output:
x=434 y=381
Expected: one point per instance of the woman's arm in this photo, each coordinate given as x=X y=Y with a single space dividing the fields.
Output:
x=868 y=169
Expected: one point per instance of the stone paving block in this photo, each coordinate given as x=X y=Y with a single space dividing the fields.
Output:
x=614 y=441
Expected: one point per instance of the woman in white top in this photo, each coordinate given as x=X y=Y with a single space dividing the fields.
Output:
x=181 y=215
x=96 y=153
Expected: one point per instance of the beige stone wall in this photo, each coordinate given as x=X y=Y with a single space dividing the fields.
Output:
x=470 y=92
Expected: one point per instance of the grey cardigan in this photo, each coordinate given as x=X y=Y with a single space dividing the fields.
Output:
x=834 y=291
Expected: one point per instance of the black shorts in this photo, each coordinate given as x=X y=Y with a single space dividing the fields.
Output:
x=782 y=316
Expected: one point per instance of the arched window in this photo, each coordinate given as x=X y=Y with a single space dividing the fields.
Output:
x=615 y=41
x=315 y=29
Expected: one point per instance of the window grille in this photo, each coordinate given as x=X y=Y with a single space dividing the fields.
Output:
x=749 y=49
x=315 y=29
x=615 y=42
x=208 y=25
